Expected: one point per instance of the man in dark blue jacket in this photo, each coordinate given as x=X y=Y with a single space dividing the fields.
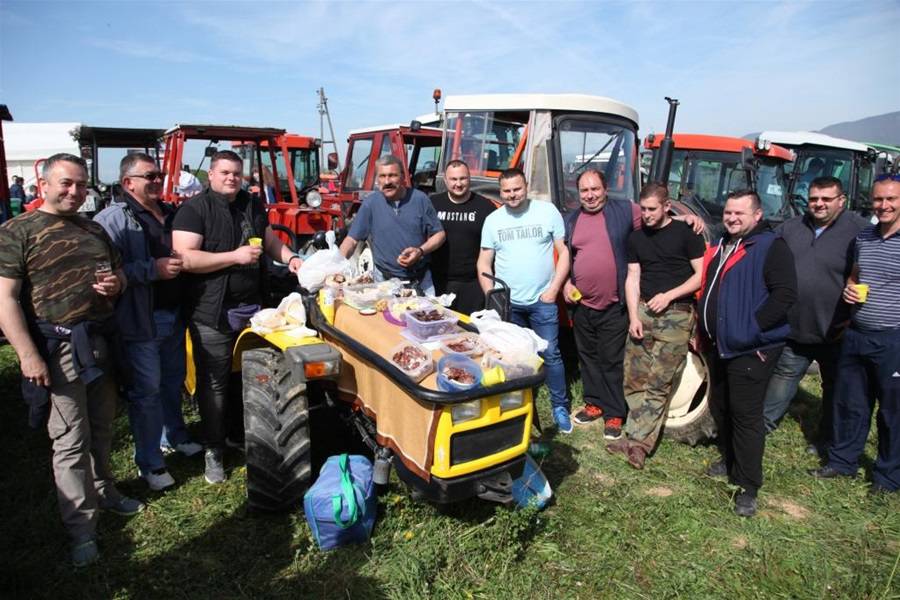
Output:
x=822 y=244
x=749 y=284
x=149 y=317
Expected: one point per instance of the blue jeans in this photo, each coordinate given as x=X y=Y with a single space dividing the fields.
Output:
x=543 y=319
x=791 y=368
x=154 y=398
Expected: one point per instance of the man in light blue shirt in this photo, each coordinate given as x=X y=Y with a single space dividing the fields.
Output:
x=517 y=242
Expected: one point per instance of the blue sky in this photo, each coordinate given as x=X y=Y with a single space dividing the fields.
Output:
x=736 y=67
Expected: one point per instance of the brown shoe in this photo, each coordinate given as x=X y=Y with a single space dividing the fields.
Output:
x=636 y=456
x=618 y=447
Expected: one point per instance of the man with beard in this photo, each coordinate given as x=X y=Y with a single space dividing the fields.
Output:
x=214 y=233
x=822 y=244
x=749 y=284
x=149 y=317
x=401 y=226
x=462 y=213
x=59 y=277
x=869 y=363
x=517 y=243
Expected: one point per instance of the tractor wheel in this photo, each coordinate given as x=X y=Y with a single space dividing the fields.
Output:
x=689 y=420
x=276 y=423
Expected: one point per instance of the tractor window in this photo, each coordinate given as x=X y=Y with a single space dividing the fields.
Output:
x=385 y=146
x=772 y=189
x=360 y=153
x=862 y=203
x=305 y=164
x=708 y=177
x=607 y=147
x=821 y=163
x=486 y=141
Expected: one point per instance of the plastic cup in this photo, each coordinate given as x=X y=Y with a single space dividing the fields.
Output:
x=255 y=241
x=102 y=271
x=862 y=290
x=575 y=295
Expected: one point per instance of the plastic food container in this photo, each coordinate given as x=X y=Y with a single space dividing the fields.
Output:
x=398 y=307
x=364 y=296
x=513 y=366
x=411 y=358
x=466 y=344
x=456 y=373
x=422 y=328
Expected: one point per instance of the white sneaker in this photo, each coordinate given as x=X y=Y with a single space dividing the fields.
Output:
x=186 y=448
x=158 y=480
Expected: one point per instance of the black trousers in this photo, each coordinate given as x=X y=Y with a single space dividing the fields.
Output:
x=600 y=337
x=469 y=295
x=221 y=412
x=736 y=398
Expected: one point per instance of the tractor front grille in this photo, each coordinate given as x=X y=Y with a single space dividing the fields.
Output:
x=473 y=444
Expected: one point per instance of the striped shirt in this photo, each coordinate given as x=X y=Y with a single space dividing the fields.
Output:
x=878 y=260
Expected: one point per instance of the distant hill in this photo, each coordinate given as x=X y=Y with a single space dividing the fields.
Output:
x=881 y=129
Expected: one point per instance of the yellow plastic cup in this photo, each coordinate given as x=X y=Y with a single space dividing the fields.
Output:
x=862 y=289
x=255 y=241
x=575 y=295
x=492 y=376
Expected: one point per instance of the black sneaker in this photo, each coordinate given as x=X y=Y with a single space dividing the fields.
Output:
x=215 y=468
x=588 y=414
x=745 y=504
x=717 y=469
x=829 y=472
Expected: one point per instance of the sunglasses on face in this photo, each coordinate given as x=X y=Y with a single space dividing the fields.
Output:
x=887 y=176
x=152 y=176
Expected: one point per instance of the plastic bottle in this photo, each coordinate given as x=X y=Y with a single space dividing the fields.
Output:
x=326 y=304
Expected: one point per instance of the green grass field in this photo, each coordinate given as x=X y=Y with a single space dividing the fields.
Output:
x=612 y=532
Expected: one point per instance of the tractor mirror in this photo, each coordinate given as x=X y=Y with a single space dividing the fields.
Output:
x=415 y=126
x=332 y=161
x=747 y=159
x=209 y=151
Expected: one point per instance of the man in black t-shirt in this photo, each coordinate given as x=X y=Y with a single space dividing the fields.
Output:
x=212 y=232
x=462 y=213
x=665 y=260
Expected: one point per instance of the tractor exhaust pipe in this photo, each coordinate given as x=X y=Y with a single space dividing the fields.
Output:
x=666 y=147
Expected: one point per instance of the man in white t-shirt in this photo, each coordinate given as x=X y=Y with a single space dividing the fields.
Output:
x=517 y=244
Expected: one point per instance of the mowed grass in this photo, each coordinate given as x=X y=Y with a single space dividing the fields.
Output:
x=611 y=532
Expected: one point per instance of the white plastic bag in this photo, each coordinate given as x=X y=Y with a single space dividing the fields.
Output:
x=290 y=316
x=323 y=263
x=506 y=338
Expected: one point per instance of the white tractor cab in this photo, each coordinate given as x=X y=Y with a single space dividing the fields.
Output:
x=819 y=155
x=551 y=137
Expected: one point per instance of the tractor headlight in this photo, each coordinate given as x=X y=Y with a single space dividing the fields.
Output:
x=511 y=400
x=466 y=411
x=314 y=199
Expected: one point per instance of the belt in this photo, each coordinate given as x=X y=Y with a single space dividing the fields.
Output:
x=676 y=305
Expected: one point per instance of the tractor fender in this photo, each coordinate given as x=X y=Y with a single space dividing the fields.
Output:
x=281 y=340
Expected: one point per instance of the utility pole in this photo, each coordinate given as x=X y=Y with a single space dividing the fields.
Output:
x=323 y=117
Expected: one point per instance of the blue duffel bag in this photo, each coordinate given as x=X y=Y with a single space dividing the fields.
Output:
x=341 y=505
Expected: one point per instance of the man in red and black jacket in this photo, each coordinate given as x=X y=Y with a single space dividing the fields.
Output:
x=749 y=283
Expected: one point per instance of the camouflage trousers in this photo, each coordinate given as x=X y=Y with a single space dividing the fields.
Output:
x=651 y=365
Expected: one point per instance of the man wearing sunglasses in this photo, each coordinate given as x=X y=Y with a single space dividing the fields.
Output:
x=149 y=317
x=869 y=362
x=821 y=242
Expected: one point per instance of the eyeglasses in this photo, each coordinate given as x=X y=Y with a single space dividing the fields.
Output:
x=825 y=198
x=152 y=176
x=887 y=176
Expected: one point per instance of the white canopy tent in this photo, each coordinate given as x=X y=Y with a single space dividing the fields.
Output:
x=28 y=142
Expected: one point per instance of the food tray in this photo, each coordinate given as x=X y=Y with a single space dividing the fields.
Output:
x=470 y=339
x=425 y=329
x=457 y=361
x=417 y=371
x=365 y=296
